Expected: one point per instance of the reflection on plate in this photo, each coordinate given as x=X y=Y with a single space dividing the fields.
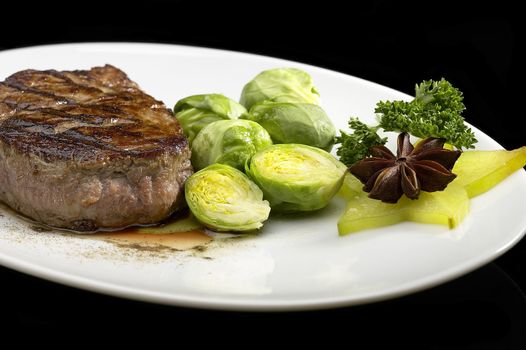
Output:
x=294 y=262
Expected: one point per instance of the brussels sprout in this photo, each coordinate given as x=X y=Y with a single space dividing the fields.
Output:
x=280 y=85
x=197 y=111
x=225 y=199
x=296 y=177
x=295 y=123
x=231 y=142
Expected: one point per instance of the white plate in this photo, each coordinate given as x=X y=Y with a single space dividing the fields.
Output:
x=296 y=263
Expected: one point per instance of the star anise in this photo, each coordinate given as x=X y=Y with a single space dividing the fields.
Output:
x=426 y=167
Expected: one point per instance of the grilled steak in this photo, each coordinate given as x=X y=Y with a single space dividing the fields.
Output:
x=85 y=150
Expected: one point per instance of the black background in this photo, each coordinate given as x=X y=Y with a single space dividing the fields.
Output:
x=477 y=48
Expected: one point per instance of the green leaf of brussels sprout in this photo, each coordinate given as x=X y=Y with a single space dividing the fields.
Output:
x=197 y=111
x=295 y=123
x=225 y=199
x=280 y=85
x=296 y=177
x=231 y=142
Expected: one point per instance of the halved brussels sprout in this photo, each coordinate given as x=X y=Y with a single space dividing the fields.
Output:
x=231 y=142
x=295 y=123
x=296 y=177
x=280 y=85
x=197 y=111
x=225 y=199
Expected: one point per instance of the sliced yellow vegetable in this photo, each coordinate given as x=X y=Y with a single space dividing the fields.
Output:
x=448 y=207
x=479 y=171
x=183 y=224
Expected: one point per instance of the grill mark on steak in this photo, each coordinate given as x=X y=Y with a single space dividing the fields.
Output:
x=88 y=149
x=25 y=99
x=110 y=140
x=42 y=82
x=26 y=89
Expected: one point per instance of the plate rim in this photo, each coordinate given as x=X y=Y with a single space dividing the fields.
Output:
x=240 y=304
x=203 y=48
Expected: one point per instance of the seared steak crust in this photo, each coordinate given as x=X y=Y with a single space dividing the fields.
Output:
x=88 y=149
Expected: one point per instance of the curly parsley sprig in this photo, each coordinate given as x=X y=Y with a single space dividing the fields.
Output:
x=356 y=146
x=436 y=111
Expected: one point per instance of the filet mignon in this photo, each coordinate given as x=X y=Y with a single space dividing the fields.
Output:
x=86 y=150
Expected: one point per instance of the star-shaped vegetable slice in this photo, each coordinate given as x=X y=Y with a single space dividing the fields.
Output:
x=477 y=172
